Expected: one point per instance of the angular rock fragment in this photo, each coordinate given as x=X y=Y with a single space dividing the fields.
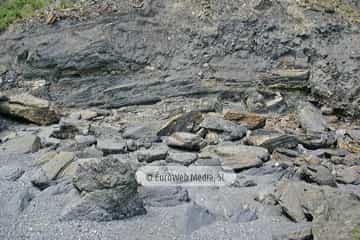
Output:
x=52 y=164
x=230 y=131
x=108 y=191
x=349 y=143
x=249 y=120
x=311 y=119
x=185 y=140
x=187 y=122
x=316 y=140
x=271 y=139
x=302 y=201
x=29 y=108
x=318 y=174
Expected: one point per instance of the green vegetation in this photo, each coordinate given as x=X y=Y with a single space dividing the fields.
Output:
x=12 y=10
x=356 y=233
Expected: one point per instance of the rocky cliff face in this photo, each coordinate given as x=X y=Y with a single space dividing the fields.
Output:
x=132 y=54
x=99 y=100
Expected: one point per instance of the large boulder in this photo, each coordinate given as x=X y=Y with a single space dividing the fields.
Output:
x=29 y=108
x=108 y=191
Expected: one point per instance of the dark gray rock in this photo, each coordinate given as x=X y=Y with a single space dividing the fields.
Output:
x=286 y=79
x=70 y=127
x=187 y=122
x=231 y=130
x=271 y=139
x=3 y=98
x=108 y=192
x=301 y=201
x=318 y=174
x=315 y=140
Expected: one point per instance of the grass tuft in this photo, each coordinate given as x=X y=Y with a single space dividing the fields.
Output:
x=13 y=10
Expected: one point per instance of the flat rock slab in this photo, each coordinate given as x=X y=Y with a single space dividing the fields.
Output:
x=58 y=163
x=185 y=140
x=22 y=145
x=29 y=108
x=241 y=157
x=184 y=158
x=111 y=145
x=249 y=120
x=50 y=167
x=231 y=131
x=271 y=139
